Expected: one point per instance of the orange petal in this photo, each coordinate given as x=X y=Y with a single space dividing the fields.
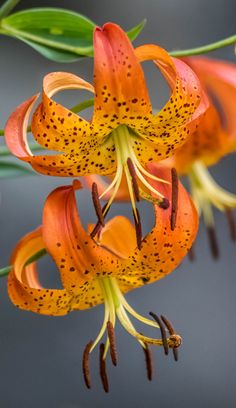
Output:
x=219 y=78
x=119 y=237
x=170 y=127
x=163 y=249
x=54 y=126
x=82 y=157
x=16 y=130
x=24 y=288
x=79 y=259
x=117 y=72
x=207 y=143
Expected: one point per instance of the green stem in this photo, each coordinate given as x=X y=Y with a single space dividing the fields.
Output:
x=83 y=105
x=5 y=271
x=7 y=7
x=4 y=151
x=204 y=48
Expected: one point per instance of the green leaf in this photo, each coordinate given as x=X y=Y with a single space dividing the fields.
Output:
x=134 y=32
x=58 y=34
x=9 y=169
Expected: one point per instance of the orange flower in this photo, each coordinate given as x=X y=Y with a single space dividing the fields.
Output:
x=123 y=127
x=214 y=138
x=101 y=269
x=216 y=134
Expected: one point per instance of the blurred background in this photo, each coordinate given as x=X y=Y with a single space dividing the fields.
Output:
x=40 y=357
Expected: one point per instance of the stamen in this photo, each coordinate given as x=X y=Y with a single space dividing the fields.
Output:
x=149 y=362
x=164 y=204
x=103 y=373
x=134 y=179
x=174 y=198
x=98 y=226
x=213 y=242
x=171 y=330
x=138 y=228
x=231 y=222
x=161 y=202
x=112 y=340
x=85 y=364
x=97 y=204
x=163 y=332
x=191 y=254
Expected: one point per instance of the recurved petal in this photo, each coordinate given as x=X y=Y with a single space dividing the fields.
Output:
x=87 y=157
x=24 y=288
x=76 y=254
x=54 y=126
x=163 y=249
x=117 y=72
x=219 y=79
x=171 y=126
x=16 y=130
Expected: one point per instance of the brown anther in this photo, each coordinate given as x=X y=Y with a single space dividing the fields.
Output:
x=112 y=340
x=174 y=198
x=191 y=254
x=231 y=222
x=98 y=227
x=163 y=332
x=149 y=362
x=213 y=242
x=177 y=339
x=134 y=179
x=138 y=228
x=103 y=373
x=164 y=204
x=97 y=204
x=85 y=364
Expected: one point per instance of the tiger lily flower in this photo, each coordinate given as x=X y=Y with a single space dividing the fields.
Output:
x=123 y=134
x=214 y=138
x=103 y=268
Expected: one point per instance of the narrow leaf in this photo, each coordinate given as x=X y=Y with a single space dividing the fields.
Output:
x=58 y=34
x=9 y=169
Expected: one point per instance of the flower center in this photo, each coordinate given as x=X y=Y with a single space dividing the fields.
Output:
x=136 y=175
x=116 y=307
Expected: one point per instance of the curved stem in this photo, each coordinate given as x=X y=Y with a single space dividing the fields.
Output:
x=204 y=48
x=5 y=271
x=7 y=7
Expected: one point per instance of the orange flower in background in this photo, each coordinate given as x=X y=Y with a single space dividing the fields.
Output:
x=214 y=138
x=123 y=134
x=101 y=268
x=216 y=134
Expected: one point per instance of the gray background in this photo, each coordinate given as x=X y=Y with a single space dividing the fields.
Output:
x=40 y=357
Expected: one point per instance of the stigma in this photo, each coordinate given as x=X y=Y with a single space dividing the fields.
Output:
x=117 y=308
